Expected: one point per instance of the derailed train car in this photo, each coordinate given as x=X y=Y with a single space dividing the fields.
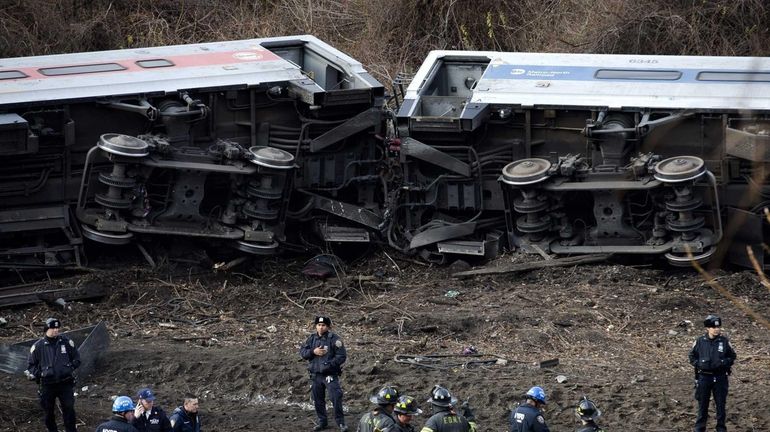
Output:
x=210 y=141
x=277 y=144
x=575 y=154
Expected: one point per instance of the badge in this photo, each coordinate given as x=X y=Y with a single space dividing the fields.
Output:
x=721 y=347
x=540 y=420
x=72 y=344
x=63 y=349
x=32 y=349
x=338 y=343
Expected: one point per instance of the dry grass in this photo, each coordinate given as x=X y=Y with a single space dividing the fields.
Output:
x=392 y=36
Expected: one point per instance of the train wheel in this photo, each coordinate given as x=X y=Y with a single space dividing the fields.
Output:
x=679 y=169
x=106 y=237
x=123 y=145
x=526 y=171
x=683 y=260
x=256 y=248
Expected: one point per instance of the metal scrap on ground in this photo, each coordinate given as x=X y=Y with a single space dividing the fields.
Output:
x=559 y=262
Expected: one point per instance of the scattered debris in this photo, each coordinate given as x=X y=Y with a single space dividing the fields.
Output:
x=559 y=262
x=452 y=294
x=321 y=266
x=561 y=379
x=549 y=363
x=450 y=361
x=470 y=350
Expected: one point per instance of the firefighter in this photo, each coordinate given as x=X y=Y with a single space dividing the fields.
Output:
x=588 y=412
x=405 y=410
x=528 y=416
x=445 y=417
x=380 y=419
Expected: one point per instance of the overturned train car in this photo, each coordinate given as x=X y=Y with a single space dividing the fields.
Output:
x=231 y=142
x=286 y=143
x=574 y=154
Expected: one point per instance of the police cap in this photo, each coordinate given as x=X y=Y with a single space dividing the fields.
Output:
x=322 y=320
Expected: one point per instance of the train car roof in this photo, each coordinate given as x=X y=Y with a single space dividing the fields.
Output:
x=166 y=69
x=613 y=81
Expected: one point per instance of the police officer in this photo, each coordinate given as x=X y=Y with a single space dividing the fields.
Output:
x=712 y=356
x=122 y=415
x=147 y=416
x=186 y=418
x=528 y=416
x=325 y=354
x=381 y=418
x=588 y=412
x=445 y=418
x=51 y=362
x=405 y=410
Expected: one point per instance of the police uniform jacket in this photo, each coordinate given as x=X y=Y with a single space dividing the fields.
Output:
x=53 y=360
x=116 y=424
x=712 y=356
x=377 y=421
x=156 y=421
x=527 y=418
x=329 y=364
x=448 y=421
x=182 y=421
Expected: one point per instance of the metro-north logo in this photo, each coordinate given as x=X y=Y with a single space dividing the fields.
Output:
x=518 y=71
x=246 y=56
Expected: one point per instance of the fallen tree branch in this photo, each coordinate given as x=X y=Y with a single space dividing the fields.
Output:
x=559 y=262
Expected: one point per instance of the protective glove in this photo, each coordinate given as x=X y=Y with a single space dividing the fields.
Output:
x=467 y=412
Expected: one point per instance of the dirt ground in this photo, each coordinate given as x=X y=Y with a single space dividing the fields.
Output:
x=621 y=334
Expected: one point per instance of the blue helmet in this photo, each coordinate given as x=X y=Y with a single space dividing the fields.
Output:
x=536 y=393
x=122 y=404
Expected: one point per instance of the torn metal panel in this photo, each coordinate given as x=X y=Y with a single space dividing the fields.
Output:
x=436 y=235
x=365 y=120
x=91 y=342
x=347 y=211
x=416 y=149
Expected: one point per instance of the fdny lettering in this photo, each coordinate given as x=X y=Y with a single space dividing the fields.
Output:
x=451 y=419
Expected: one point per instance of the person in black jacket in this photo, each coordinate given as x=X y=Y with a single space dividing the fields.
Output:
x=446 y=417
x=122 y=414
x=147 y=416
x=325 y=354
x=186 y=417
x=588 y=412
x=712 y=356
x=528 y=416
x=51 y=362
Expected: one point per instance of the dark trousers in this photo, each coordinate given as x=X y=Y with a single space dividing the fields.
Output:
x=65 y=392
x=708 y=384
x=318 y=388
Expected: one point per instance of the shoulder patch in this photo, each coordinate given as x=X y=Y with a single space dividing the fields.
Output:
x=32 y=348
x=540 y=419
x=338 y=343
x=173 y=421
x=72 y=344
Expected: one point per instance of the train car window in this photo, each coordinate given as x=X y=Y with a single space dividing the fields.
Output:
x=668 y=75
x=81 y=69
x=155 y=63
x=12 y=74
x=735 y=76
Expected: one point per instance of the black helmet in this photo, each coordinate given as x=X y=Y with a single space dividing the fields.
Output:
x=387 y=395
x=52 y=323
x=587 y=410
x=441 y=397
x=712 y=321
x=407 y=405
